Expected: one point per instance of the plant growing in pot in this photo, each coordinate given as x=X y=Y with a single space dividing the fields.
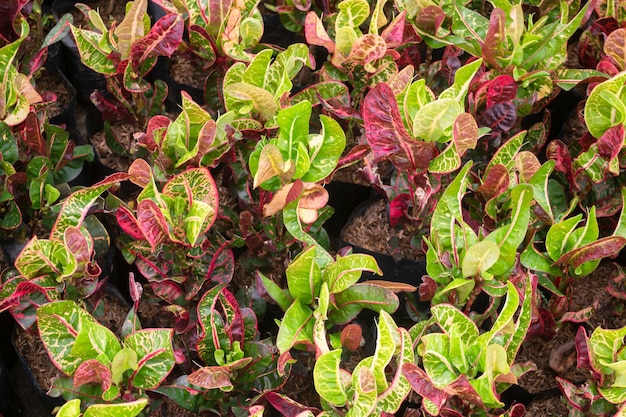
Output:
x=125 y=54
x=63 y=266
x=237 y=366
x=100 y=369
x=604 y=393
x=168 y=240
x=219 y=34
x=408 y=136
x=462 y=370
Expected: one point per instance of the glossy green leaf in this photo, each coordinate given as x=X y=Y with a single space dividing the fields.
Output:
x=156 y=356
x=433 y=122
x=327 y=377
x=42 y=257
x=261 y=100
x=604 y=108
x=304 y=276
x=449 y=318
x=346 y=271
x=392 y=398
x=59 y=323
x=129 y=409
x=324 y=150
x=462 y=79
x=364 y=384
x=387 y=342
x=479 y=258
x=511 y=236
x=296 y=327
x=90 y=51
x=558 y=236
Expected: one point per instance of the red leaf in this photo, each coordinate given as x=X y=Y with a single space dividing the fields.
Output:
x=351 y=337
x=495 y=182
x=31 y=134
x=286 y=406
x=156 y=125
x=386 y=135
x=429 y=19
x=500 y=117
x=602 y=248
x=502 y=88
x=558 y=151
x=393 y=34
x=398 y=208
x=77 y=243
x=168 y=291
x=162 y=40
x=152 y=222
x=222 y=265
x=611 y=141
x=92 y=371
x=421 y=383
x=495 y=37
x=128 y=223
x=135 y=288
x=583 y=361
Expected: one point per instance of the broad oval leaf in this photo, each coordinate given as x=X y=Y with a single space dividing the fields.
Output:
x=479 y=258
x=328 y=380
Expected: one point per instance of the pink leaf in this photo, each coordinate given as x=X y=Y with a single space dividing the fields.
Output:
x=128 y=223
x=211 y=377
x=502 y=88
x=316 y=34
x=386 y=134
x=162 y=40
x=140 y=173
x=421 y=383
x=92 y=371
x=398 y=208
x=152 y=222
x=611 y=142
x=393 y=34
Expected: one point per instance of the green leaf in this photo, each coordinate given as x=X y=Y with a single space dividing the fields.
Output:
x=155 y=353
x=70 y=409
x=59 y=323
x=352 y=13
x=327 y=377
x=391 y=399
x=296 y=327
x=131 y=28
x=511 y=236
x=346 y=271
x=450 y=318
x=479 y=258
x=433 y=122
x=129 y=409
x=293 y=123
x=604 y=107
x=364 y=384
x=324 y=150
x=46 y=257
x=364 y=295
x=277 y=293
x=91 y=53
x=304 y=276
x=387 y=342
x=462 y=79
x=558 y=236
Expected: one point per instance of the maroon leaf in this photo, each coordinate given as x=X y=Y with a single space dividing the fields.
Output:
x=611 y=141
x=222 y=265
x=31 y=134
x=427 y=289
x=502 y=88
x=162 y=40
x=583 y=361
x=128 y=223
x=466 y=391
x=152 y=222
x=92 y=371
x=573 y=395
x=233 y=320
x=500 y=117
x=112 y=111
x=351 y=337
x=286 y=406
x=601 y=248
x=398 y=208
x=495 y=182
x=386 y=135
x=429 y=19
x=155 y=132
x=168 y=291
x=558 y=151
x=421 y=383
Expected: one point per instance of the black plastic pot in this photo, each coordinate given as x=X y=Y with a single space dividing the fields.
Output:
x=405 y=271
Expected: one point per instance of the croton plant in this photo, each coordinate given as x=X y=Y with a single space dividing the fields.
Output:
x=450 y=110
